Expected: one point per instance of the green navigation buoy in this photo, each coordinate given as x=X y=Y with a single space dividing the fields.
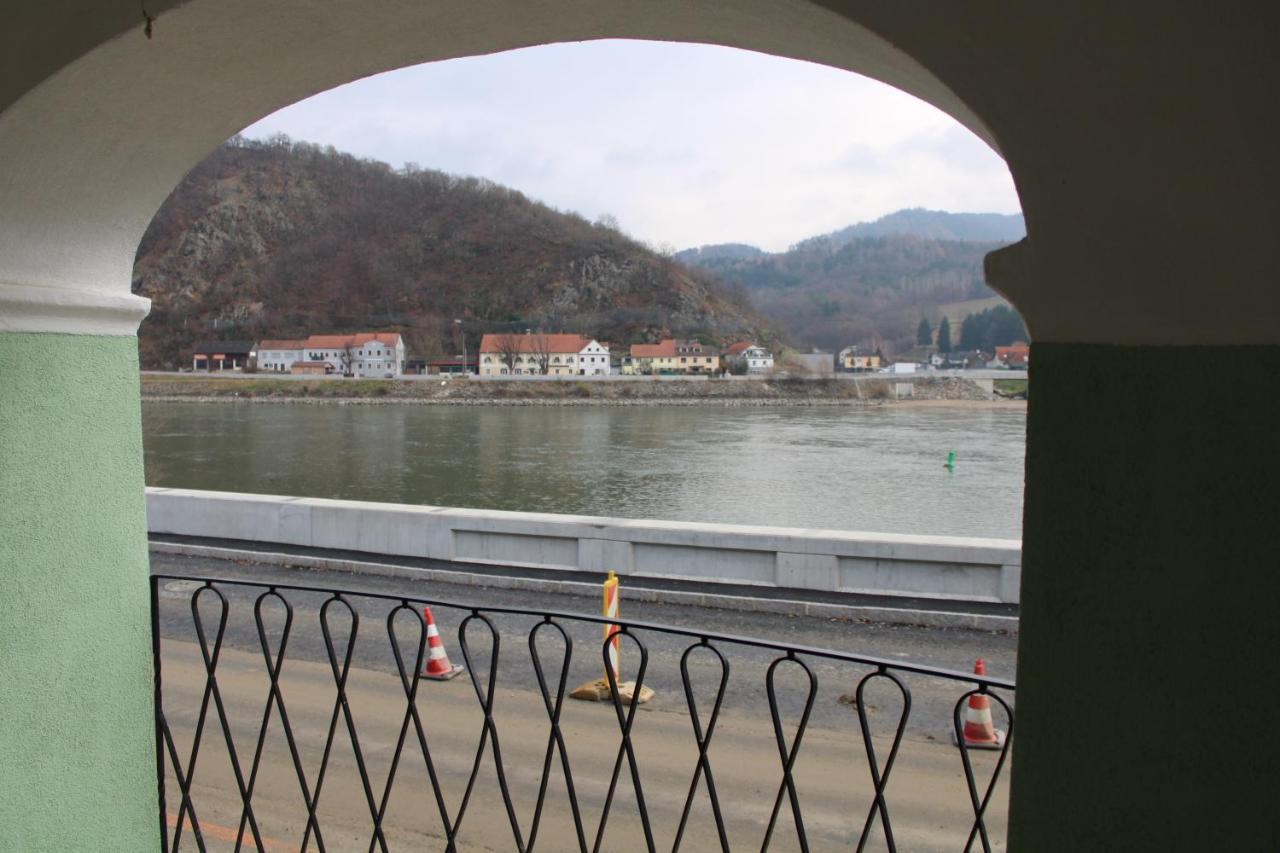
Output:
x=950 y=464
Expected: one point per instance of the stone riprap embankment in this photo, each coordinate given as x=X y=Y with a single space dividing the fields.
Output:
x=947 y=388
x=567 y=392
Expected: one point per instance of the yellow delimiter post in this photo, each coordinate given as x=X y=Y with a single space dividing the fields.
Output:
x=610 y=611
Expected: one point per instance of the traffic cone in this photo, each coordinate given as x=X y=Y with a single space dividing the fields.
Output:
x=978 y=731
x=438 y=667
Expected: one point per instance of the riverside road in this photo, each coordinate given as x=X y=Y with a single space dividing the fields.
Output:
x=927 y=791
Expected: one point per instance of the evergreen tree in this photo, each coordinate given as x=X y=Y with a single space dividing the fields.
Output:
x=924 y=332
x=998 y=326
x=970 y=333
x=944 y=335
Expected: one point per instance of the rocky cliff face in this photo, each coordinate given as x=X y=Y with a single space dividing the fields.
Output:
x=279 y=239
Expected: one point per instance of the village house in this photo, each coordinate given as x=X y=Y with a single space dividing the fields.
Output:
x=216 y=356
x=537 y=354
x=1016 y=356
x=279 y=356
x=594 y=359
x=696 y=357
x=652 y=359
x=756 y=358
x=849 y=360
x=363 y=354
x=671 y=357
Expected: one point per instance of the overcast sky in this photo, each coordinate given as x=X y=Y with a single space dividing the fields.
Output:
x=684 y=144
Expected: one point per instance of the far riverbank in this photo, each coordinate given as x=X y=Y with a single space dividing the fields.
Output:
x=942 y=391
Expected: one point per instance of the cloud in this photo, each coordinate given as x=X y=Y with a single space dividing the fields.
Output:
x=684 y=144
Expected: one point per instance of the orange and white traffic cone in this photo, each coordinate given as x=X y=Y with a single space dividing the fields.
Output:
x=438 y=667
x=978 y=731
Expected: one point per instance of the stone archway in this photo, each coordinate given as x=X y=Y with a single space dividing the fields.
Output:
x=1148 y=180
x=87 y=154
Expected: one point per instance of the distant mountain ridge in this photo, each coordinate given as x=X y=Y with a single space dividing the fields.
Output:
x=934 y=225
x=870 y=283
x=719 y=251
x=912 y=221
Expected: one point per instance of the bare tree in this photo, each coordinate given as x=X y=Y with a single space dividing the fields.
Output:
x=540 y=344
x=509 y=351
x=347 y=358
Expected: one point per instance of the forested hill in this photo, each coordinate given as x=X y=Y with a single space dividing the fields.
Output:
x=279 y=239
x=868 y=284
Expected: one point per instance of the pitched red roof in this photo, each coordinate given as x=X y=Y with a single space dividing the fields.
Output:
x=738 y=348
x=1016 y=354
x=662 y=349
x=533 y=343
x=282 y=344
x=695 y=348
x=357 y=339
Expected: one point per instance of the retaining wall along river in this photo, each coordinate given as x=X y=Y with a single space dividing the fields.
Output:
x=945 y=568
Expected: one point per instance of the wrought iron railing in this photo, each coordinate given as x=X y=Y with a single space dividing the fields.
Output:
x=234 y=659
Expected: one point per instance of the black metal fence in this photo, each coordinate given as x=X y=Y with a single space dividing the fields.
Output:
x=214 y=637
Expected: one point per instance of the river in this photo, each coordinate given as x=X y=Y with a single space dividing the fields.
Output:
x=843 y=468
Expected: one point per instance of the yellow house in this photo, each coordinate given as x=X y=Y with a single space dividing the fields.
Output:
x=654 y=359
x=850 y=360
x=671 y=357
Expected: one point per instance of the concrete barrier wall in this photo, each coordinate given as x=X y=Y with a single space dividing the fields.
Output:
x=942 y=567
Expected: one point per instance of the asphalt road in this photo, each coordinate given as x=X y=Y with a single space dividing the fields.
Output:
x=832 y=752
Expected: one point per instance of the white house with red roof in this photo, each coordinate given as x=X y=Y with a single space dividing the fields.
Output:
x=756 y=358
x=539 y=354
x=379 y=355
x=593 y=359
x=279 y=355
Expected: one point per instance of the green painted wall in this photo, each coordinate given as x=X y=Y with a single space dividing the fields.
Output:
x=77 y=764
x=1150 y=639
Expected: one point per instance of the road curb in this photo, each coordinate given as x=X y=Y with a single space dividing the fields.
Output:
x=462 y=577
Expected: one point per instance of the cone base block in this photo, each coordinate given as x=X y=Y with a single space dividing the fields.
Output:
x=998 y=743
x=598 y=691
x=444 y=676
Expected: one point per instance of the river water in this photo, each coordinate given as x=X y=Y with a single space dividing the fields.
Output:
x=877 y=469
